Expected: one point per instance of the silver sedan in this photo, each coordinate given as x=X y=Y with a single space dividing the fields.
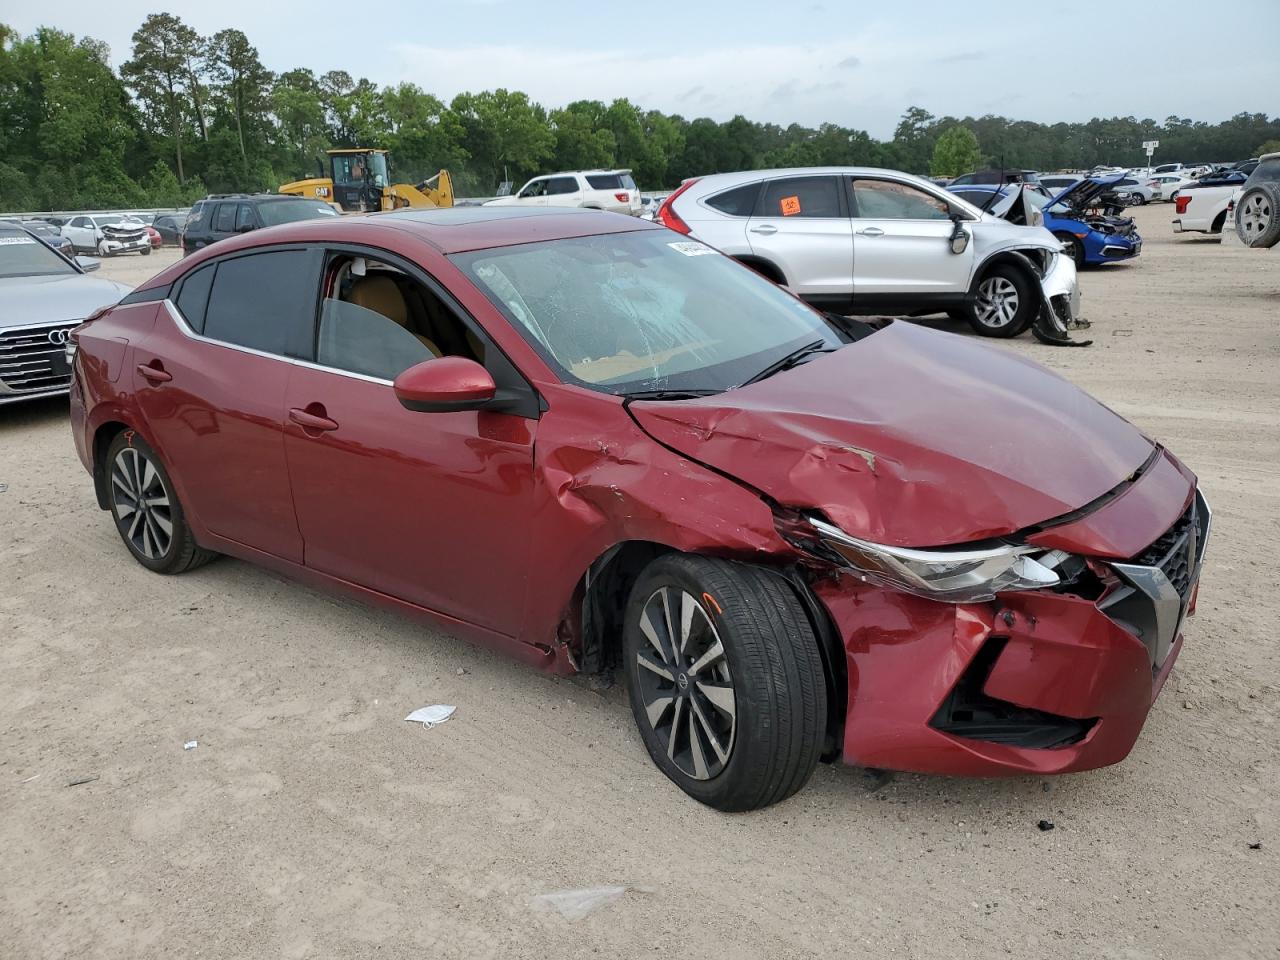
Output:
x=43 y=297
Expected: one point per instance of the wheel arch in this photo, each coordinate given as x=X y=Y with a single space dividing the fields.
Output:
x=102 y=437
x=763 y=266
x=1016 y=257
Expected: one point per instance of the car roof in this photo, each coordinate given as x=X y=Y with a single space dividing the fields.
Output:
x=449 y=230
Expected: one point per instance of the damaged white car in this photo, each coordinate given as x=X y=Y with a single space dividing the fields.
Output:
x=107 y=234
x=865 y=240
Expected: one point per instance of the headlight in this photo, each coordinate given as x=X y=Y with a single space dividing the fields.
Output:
x=955 y=576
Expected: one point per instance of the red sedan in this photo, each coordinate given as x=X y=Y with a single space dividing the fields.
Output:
x=593 y=443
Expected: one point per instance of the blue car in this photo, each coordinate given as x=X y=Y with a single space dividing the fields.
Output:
x=1088 y=238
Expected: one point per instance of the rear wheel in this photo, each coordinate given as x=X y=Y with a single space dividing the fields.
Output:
x=726 y=680
x=1258 y=215
x=1003 y=303
x=146 y=510
x=1136 y=199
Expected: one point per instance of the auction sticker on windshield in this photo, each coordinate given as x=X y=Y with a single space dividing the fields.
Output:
x=8 y=241
x=691 y=248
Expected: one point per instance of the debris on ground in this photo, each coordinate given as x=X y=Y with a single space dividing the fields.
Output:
x=1256 y=846
x=1045 y=825
x=433 y=715
x=76 y=783
x=576 y=904
x=3 y=487
x=191 y=745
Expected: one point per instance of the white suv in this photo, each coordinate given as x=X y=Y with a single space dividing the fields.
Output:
x=865 y=240
x=612 y=190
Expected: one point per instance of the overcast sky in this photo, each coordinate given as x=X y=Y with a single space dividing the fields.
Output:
x=854 y=63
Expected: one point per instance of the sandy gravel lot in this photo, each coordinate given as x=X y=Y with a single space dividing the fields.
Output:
x=312 y=822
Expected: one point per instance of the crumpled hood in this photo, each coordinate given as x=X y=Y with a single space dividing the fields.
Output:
x=911 y=437
x=29 y=300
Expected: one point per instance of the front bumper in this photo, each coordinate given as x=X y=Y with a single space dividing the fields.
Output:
x=1030 y=683
x=107 y=245
x=1113 y=250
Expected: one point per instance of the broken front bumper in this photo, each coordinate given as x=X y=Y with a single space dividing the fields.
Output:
x=1060 y=306
x=1035 y=682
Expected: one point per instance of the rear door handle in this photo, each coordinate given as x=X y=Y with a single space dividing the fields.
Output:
x=154 y=374
x=871 y=232
x=311 y=421
x=765 y=228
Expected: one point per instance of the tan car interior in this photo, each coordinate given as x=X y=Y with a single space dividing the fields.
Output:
x=408 y=303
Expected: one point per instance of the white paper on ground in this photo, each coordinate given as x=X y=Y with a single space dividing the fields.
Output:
x=433 y=715
x=576 y=904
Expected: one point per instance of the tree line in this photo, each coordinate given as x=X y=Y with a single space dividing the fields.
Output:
x=188 y=114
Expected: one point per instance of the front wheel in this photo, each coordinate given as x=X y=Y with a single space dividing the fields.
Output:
x=1137 y=199
x=146 y=251
x=1004 y=302
x=725 y=679
x=1072 y=247
x=146 y=510
x=1258 y=216
x=102 y=249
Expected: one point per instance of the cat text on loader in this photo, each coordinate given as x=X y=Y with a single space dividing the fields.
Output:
x=358 y=183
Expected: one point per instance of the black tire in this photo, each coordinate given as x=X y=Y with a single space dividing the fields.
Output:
x=146 y=251
x=771 y=667
x=1073 y=248
x=1027 y=306
x=1258 y=216
x=1137 y=199
x=132 y=467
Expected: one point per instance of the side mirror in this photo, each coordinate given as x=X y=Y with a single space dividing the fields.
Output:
x=445 y=385
x=88 y=264
x=959 y=236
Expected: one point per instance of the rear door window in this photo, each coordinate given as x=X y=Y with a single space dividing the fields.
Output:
x=244 y=217
x=605 y=181
x=225 y=219
x=558 y=186
x=812 y=197
x=265 y=301
x=738 y=202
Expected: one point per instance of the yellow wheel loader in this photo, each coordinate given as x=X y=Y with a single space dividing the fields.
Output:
x=358 y=183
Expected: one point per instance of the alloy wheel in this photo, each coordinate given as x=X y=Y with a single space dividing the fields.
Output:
x=141 y=504
x=1255 y=215
x=685 y=683
x=997 y=302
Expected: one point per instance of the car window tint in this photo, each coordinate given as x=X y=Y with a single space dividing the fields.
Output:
x=604 y=181
x=360 y=340
x=194 y=296
x=627 y=181
x=802 y=197
x=889 y=200
x=738 y=202
x=244 y=217
x=534 y=188
x=561 y=185
x=258 y=300
x=225 y=219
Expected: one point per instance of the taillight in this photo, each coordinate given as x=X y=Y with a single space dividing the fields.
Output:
x=1181 y=204
x=667 y=215
x=622 y=197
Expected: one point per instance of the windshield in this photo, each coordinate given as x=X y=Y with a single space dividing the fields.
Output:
x=357 y=168
x=22 y=255
x=643 y=311
x=108 y=220
x=289 y=211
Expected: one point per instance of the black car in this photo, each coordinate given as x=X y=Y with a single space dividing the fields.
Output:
x=169 y=226
x=219 y=215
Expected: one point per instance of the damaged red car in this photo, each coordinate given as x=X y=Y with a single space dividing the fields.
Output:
x=597 y=444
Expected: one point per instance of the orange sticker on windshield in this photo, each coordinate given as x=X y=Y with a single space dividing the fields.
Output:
x=790 y=206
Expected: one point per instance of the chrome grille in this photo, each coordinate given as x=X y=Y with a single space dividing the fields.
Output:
x=30 y=362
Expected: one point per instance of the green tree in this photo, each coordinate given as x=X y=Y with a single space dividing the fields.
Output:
x=244 y=84
x=424 y=135
x=955 y=152
x=161 y=75
x=505 y=132
x=1271 y=146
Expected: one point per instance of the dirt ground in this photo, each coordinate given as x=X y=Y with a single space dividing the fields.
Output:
x=311 y=821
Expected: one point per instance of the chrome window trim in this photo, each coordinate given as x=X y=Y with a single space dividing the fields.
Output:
x=185 y=329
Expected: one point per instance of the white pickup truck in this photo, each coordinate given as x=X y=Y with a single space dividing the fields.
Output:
x=1202 y=209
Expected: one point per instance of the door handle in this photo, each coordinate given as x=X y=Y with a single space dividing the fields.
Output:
x=765 y=228
x=311 y=421
x=871 y=232
x=154 y=374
